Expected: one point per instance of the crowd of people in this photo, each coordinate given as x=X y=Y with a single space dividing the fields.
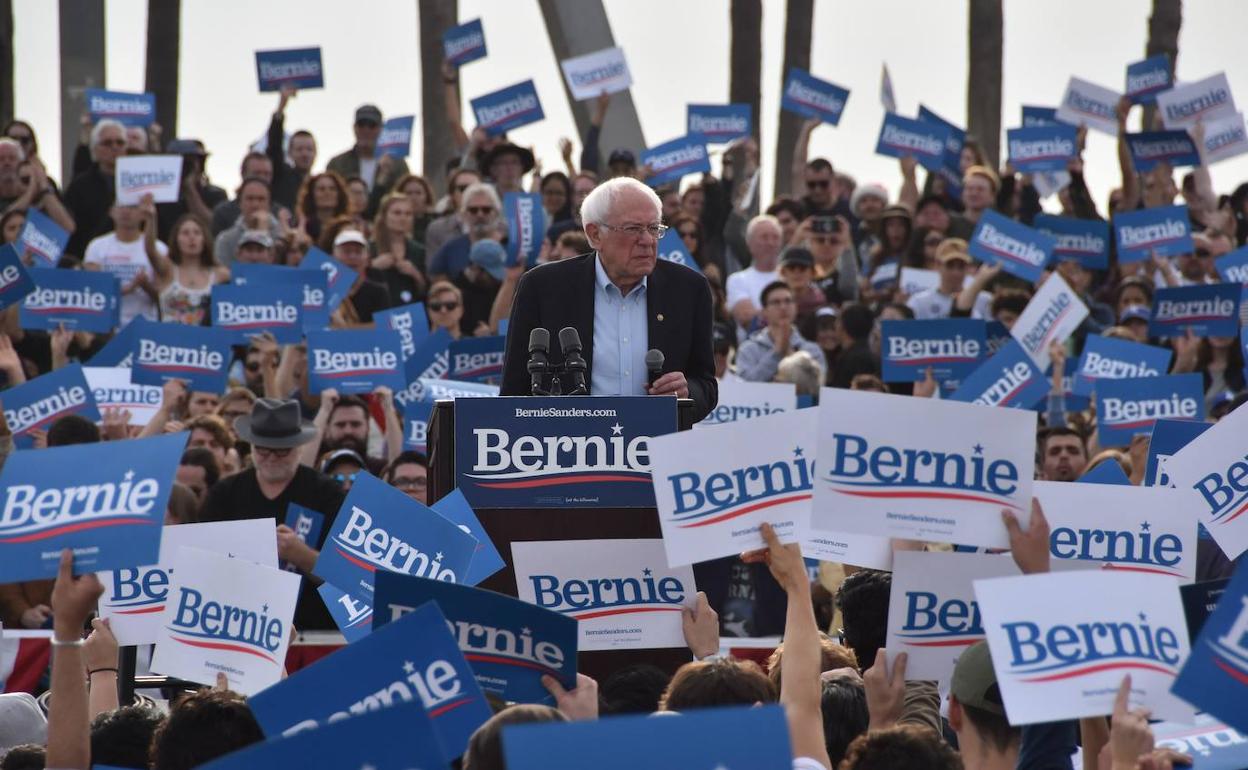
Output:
x=799 y=290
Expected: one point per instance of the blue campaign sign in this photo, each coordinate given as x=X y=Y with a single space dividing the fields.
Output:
x=486 y=559
x=119 y=351
x=42 y=241
x=314 y=285
x=743 y=737
x=997 y=335
x=1209 y=310
x=198 y=354
x=1149 y=148
x=1115 y=359
x=1215 y=677
x=1039 y=116
x=1083 y=240
x=1107 y=472
x=509 y=643
x=298 y=67
x=1036 y=149
x=355 y=360
x=1129 y=407
x=719 y=123
x=571 y=451
x=352 y=615
x=416 y=416
x=245 y=311
x=125 y=108
x=380 y=529
x=430 y=361
x=307 y=525
x=508 y=108
x=109 y=510
x=396 y=137
x=1233 y=267
x=1165 y=230
x=15 y=281
x=1019 y=249
x=672 y=248
x=412 y=660
x=410 y=321
x=1147 y=78
x=400 y=737
x=919 y=139
x=526 y=227
x=953 y=147
x=477 y=359
x=807 y=95
x=464 y=43
x=1168 y=437
x=338 y=277
x=1009 y=379
x=81 y=300
x=951 y=347
x=36 y=404
x=671 y=161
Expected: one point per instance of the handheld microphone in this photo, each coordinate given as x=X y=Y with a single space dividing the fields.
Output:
x=654 y=365
x=539 y=361
x=573 y=363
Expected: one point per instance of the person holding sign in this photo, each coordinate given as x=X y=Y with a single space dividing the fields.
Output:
x=379 y=174
x=90 y=195
x=123 y=254
x=288 y=177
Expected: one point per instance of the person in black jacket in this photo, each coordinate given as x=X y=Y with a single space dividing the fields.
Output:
x=288 y=177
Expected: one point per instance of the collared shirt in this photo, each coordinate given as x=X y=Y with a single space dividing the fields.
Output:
x=621 y=337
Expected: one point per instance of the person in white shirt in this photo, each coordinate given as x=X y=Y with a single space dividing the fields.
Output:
x=938 y=302
x=763 y=237
x=122 y=254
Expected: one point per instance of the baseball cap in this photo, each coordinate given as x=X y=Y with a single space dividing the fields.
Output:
x=489 y=256
x=797 y=255
x=186 y=147
x=622 y=156
x=1135 y=313
x=951 y=249
x=21 y=721
x=931 y=198
x=341 y=455
x=350 y=236
x=258 y=237
x=974 y=681
x=368 y=112
x=825 y=316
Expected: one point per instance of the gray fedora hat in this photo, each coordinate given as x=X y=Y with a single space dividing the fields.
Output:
x=276 y=424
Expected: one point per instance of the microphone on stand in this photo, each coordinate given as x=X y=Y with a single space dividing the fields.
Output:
x=654 y=365
x=573 y=363
x=539 y=361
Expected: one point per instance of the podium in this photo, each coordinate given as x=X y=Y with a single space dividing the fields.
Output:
x=587 y=521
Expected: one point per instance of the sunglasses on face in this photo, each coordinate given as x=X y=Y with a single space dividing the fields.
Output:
x=344 y=478
x=1202 y=253
x=410 y=483
x=264 y=451
x=480 y=211
x=818 y=184
x=439 y=307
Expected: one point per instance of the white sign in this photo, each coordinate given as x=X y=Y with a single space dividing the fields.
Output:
x=1091 y=105
x=1215 y=465
x=1052 y=315
x=897 y=466
x=134 y=599
x=915 y=280
x=590 y=75
x=138 y=175
x=849 y=548
x=1225 y=138
x=111 y=387
x=932 y=614
x=1131 y=529
x=622 y=593
x=1061 y=643
x=1203 y=100
x=226 y=616
x=740 y=400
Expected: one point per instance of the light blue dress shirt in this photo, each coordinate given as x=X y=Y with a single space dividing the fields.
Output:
x=621 y=338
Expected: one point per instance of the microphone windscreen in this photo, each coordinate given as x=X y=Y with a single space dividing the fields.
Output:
x=539 y=339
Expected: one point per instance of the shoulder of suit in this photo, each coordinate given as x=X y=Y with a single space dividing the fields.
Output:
x=675 y=272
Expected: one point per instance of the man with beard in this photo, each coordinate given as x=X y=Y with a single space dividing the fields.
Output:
x=1063 y=454
x=344 y=422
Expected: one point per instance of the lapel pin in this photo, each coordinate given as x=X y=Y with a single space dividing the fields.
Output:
x=659 y=317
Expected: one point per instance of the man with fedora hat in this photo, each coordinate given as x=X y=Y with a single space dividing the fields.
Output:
x=276 y=479
x=506 y=164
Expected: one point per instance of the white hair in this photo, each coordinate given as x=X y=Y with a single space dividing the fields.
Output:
x=21 y=154
x=98 y=129
x=598 y=204
x=803 y=370
x=762 y=219
x=480 y=188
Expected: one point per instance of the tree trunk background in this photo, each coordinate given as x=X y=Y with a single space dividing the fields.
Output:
x=436 y=16
x=164 y=27
x=6 y=62
x=1163 y=37
x=983 y=86
x=745 y=68
x=799 y=16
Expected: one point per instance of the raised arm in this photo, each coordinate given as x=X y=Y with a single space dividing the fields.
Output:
x=161 y=264
x=454 y=111
x=1207 y=199
x=69 y=734
x=800 y=152
x=908 y=196
x=1130 y=182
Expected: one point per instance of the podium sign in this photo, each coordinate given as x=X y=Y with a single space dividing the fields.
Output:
x=569 y=452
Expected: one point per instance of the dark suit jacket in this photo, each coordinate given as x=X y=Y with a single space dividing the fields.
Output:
x=559 y=294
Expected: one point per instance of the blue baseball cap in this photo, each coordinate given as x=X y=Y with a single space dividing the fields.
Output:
x=1135 y=313
x=489 y=256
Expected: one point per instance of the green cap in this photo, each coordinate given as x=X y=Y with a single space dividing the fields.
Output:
x=974 y=681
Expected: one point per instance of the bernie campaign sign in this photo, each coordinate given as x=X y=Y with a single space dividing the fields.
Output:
x=671 y=161
x=922 y=140
x=1164 y=230
x=125 y=108
x=41 y=241
x=1187 y=103
x=1209 y=310
x=200 y=355
x=119 y=350
x=464 y=43
x=1008 y=379
x=15 y=280
x=410 y=321
x=1039 y=116
x=1052 y=315
x=1214 y=745
x=1174 y=148
x=811 y=97
x=112 y=389
x=246 y=311
x=672 y=249
x=395 y=139
x=477 y=359
x=570 y=451
x=719 y=123
x=1106 y=472
x=596 y=73
x=430 y=360
x=313 y=287
x=413 y=659
x=353 y=616
x=1110 y=358
x=953 y=145
x=1084 y=240
x=1019 y=249
x=379 y=528
x=1225 y=138
x=1038 y=149
x=295 y=67
x=36 y=404
x=508 y=108
x=486 y=559
x=1215 y=676
x=110 y=513
x=1147 y=78
x=1089 y=104
x=416 y=417
x=354 y=360
x=157 y=175
x=1233 y=267
x=741 y=400
x=526 y=226
x=510 y=644
x=1214 y=465
x=338 y=277
x=1168 y=437
x=1130 y=406
x=951 y=348
x=307 y=525
x=79 y=300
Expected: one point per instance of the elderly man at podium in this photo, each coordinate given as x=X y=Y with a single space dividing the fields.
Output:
x=624 y=304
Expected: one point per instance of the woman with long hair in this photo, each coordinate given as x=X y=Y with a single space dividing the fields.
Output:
x=322 y=198
x=556 y=190
x=420 y=194
x=395 y=259
x=887 y=256
x=185 y=276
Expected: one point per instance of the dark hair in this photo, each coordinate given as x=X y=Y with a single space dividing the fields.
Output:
x=995 y=729
x=73 y=429
x=863 y=602
x=203 y=457
x=485 y=747
x=122 y=737
x=565 y=211
x=10 y=214
x=203 y=726
x=575 y=240
x=1043 y=436
x=845 y=715
x=1013 y=300
x=789 y=204
x=34 y=138
x=268 y=188
x=906 y=311
x=684 y=220
x=773 y=286
x=302 y=133
x=819 y=165
x=206 y=257
x=350 y=401
x=903 y=747
x=253 y=155
x=857 y=320
x=305 y=202
x=215 y=425
x=721 y=682
x=1132 y=280
x=408 y=457
x=634 y=689
x=28 y=756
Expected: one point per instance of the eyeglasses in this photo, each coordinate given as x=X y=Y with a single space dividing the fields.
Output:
x=818 y=184
x=780 y=301
x=264 y=451
x=231 y=416
x=343 y=478
x=479 y=211
x=439 y=307
x=459 y=188
x=636 y=231
x=367 y=124
x=403 y=482
x=113 y=142
x=932 y=241
x=22 y=139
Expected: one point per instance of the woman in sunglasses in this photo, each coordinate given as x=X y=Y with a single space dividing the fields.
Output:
x=446 y=307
